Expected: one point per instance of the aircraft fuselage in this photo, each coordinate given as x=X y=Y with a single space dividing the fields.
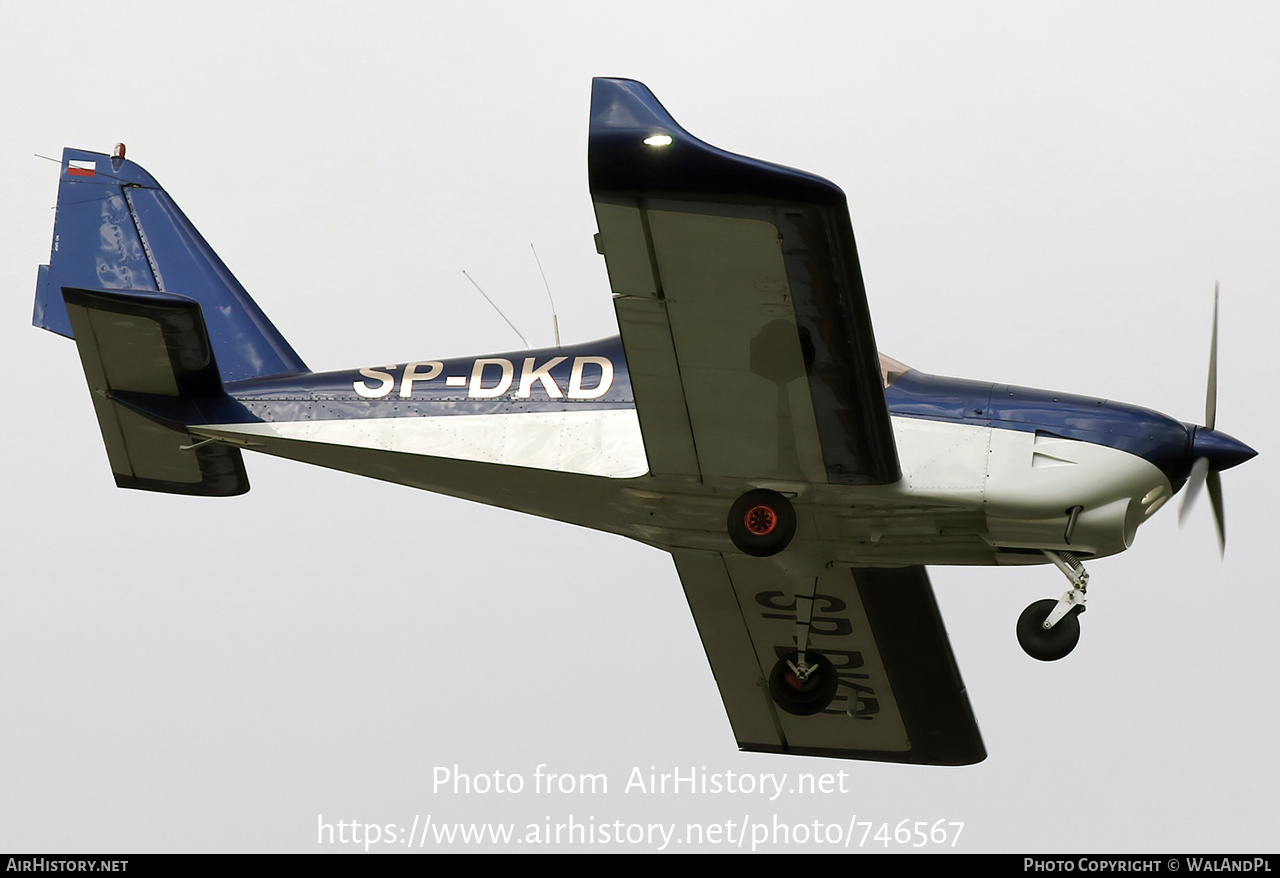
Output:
x=991 y=473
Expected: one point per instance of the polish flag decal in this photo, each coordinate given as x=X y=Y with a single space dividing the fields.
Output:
x=82 y=169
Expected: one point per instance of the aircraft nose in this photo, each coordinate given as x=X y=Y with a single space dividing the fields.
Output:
x=1222 y=450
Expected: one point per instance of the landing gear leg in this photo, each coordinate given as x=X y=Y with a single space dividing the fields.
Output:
x=1049 y=629
x=803 y=688
x=803 y=682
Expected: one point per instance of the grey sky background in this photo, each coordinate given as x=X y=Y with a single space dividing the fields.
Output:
x=1042 y=194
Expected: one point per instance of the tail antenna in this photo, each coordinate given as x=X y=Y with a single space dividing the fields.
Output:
x=496 y=308
x=555 y=321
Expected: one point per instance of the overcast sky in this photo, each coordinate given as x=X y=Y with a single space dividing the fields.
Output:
x=1042 y=195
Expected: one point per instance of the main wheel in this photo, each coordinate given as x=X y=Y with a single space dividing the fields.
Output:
x=803 y=697
x=1051 y=644
x=762 y=523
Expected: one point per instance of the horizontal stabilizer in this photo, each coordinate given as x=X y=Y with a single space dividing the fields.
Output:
x=144 y=344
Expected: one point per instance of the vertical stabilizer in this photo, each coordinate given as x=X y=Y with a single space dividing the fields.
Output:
x=117 y=229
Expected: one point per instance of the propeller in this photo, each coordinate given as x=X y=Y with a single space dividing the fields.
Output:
x=1212 y=451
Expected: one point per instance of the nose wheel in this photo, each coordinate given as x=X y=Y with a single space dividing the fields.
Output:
x=1048 y=630
x=1048 y=644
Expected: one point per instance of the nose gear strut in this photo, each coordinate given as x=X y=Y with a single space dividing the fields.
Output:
x=1049 y=629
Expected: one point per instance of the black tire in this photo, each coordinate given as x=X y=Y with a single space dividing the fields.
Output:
x=762 y=523
x=807 y=697
x=1053 y=644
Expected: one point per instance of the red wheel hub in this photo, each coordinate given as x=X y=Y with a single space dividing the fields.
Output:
x=761 y=520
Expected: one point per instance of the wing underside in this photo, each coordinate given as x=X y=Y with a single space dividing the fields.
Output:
x=900 y=696
x=741 y=305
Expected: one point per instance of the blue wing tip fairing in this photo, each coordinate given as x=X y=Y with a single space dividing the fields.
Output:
x=637 y=146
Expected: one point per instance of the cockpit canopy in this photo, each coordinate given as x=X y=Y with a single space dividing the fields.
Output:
x=890 y=369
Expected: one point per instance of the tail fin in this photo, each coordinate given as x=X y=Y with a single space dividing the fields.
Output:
x=117 y=229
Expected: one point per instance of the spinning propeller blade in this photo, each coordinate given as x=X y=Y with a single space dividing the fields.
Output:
x=1213 y=451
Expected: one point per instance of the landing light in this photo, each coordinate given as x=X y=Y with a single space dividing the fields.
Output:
x=658 y=140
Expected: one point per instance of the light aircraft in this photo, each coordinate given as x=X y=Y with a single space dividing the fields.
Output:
x=742 y=421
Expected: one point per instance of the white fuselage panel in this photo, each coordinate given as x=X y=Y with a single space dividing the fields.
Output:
x=593 y=443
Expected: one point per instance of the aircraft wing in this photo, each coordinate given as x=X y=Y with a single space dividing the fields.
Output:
x=751 y=355
x=900 y=696
x=741 y=305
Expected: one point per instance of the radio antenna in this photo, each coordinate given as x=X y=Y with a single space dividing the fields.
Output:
x=496 y=308
x=555 y=321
